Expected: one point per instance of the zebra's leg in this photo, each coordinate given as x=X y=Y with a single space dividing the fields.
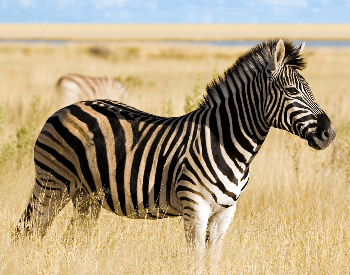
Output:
x=86 y=212
x=48 y=198
x=216 y=230
x=195 y=218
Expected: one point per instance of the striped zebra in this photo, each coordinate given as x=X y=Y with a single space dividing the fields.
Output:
x=106 y=154
x=75 y=87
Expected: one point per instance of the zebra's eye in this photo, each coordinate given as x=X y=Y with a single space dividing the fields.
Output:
x=292 y=91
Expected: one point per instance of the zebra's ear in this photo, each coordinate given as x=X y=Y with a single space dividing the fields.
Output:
x=277 y=57
x=301 y=48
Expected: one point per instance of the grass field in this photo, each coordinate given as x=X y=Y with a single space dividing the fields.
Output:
x=293 y=218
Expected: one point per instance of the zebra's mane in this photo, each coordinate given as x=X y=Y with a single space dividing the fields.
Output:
x=253 y=56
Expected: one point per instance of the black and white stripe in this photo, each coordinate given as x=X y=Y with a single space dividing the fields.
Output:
x=75 y=87
x=196 y=166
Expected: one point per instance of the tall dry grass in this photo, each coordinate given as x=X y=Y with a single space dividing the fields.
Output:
x=293 y=217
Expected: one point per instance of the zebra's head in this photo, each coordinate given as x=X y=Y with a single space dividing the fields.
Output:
x=290 y=104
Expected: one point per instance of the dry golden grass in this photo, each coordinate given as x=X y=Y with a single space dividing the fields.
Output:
x=293 y=217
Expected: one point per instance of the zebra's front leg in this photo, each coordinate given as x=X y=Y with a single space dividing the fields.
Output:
x=217 y=226
x=195 y=218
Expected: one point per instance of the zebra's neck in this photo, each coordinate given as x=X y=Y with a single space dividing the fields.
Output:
x=236 y=113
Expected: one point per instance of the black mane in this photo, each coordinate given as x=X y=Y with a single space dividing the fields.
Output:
x=291 y=58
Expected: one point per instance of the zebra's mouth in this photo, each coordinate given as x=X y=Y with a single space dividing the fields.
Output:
x=321 y=139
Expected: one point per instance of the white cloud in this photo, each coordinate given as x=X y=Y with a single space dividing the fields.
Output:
x=237 y=13
x=281 y=10
x=191 y=16
x=28 y=3
x=151 y=5
x=108 y=3
x=254 y=20
x=107 y=15
x=4 y=4
x=123 y=16
x=207 y=19
x=291 y=3
x=250 y=3
x=222 y=20
x=65 y=3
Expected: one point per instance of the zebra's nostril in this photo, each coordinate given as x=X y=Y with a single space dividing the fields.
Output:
x=323 y=135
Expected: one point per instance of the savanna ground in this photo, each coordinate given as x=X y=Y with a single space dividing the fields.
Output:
x=293 y=217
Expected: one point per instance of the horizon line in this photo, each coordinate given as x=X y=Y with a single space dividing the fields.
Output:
x=172 y=31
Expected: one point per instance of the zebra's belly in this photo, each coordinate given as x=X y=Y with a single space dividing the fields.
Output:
x=155 y=214
x=135 y=206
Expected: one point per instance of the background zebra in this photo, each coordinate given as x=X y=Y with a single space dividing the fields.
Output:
x=144 y=166
x=75 y=87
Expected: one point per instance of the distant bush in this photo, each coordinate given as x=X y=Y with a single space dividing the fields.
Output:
x=216 y=73
x=169 y=110
x=107 y=54
x=21 y=144
x=175 y=54
x=100 y=51
x=131 y=52
x=2 y=120
x=192 y=101
x=223 y=56
x=131 y=82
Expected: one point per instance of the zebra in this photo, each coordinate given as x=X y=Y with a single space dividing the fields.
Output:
x=106 y=154
x=75 y=87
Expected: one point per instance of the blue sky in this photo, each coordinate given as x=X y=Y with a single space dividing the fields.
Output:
x=174 y=11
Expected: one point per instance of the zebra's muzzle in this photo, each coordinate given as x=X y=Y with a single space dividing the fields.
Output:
x=324 y=134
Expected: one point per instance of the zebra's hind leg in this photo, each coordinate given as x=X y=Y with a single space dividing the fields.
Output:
x=48 y=198
x=86 y=212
